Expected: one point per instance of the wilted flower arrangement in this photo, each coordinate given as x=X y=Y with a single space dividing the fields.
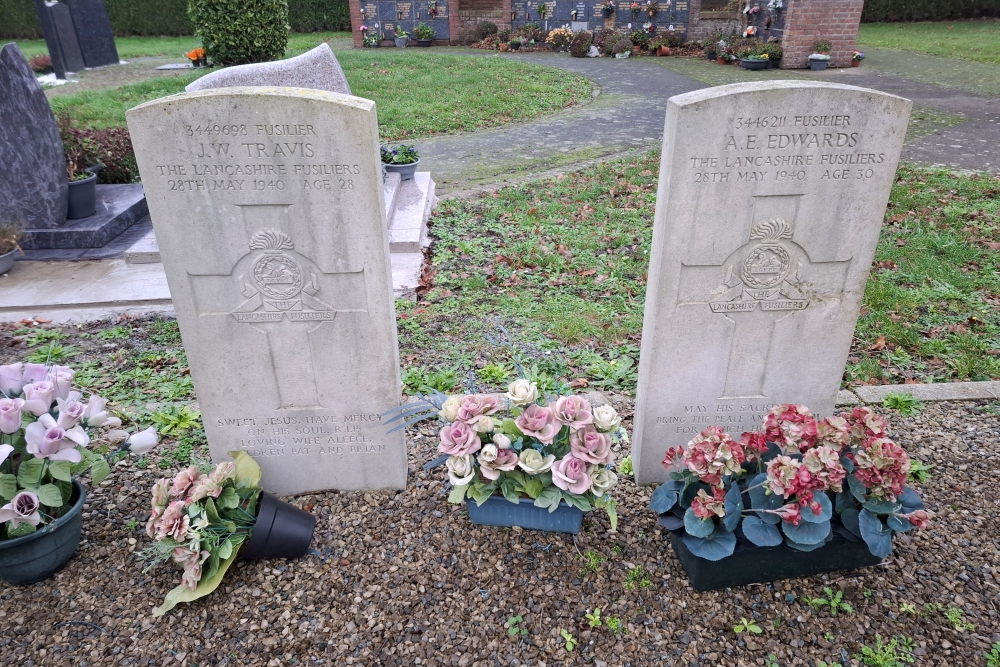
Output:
x=46 y=430
x=796 y=482
x=199 y=520
x=549 y=451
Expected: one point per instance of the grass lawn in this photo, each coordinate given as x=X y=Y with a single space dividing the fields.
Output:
x=418 y=92
x=560 y=265
x=176 y=47
x=967 y=40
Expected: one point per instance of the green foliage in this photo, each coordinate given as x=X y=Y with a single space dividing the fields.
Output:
x=319 y=15
x=423 y=31
x=52 y=353
x=926 y=10
x=618 y=373
x=235 y=32
x=580 y=45
x=132 y=525
x=893 y=653
x=747 y=626
x=419 y=380
x=399 y=155
x=616 y=626
x=625 y=466
x=484 y=29
x=514 y=627
x=594 y=618
x=833 y=601
x=919 y=471
x=495 y=375
x=115 y=333
x=993 y=657
x=956 y=617
x=905 y=403
x=571 y=641
x=771 y=660
x=907 y=608
x=591 y=563
x=172 y=420
x=40 y=336
x=637 y=577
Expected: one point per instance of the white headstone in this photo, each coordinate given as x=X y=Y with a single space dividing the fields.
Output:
x=770 y=201
x=317 y=68
x=267 y=205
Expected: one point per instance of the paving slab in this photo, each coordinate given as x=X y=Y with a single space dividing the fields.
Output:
x=938 y=391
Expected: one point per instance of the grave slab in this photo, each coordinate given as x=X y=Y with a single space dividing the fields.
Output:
x=280 y=278
x=769 y=205
x=34 y=188
x=119 y=206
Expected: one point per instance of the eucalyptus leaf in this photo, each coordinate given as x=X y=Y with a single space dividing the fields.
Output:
x=910 y=501
x=718 y=545
x=760 y=533
x=876 y=534
x=697 y=527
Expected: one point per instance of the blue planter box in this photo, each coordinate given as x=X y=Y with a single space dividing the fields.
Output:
x=498 y=511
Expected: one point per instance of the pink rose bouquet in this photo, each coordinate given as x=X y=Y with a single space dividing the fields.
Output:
x=47 y=430
x=199 y=520
x=552 y=452
x=806 y=479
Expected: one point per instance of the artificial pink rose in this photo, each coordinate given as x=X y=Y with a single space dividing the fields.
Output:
x=161 y=493
x=570 y=474
x=459 y=439
x=591 y=446
x=538 y=422
x=62 y=378
x=183 y=481
x=45 y=440
x=573 y=411
x=39 y=396
x=192 y=561
x=473 y=406
x=205 y=487
x=35 y=373
x=10 y=414
x=223 y=472
x=505 y=461
x=23 y=508
x=11 y=379
x=154 y=517
x=70 y=412
x=174 y=522
x=95 y=414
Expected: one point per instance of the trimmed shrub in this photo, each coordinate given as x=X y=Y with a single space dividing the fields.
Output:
x=504 y=35
x=235 y=32
x=485 y=29
x=580 y=45
x=604 y=39
x=622 y=45
x=319 y=15
x=879 y=11
x=773 y=51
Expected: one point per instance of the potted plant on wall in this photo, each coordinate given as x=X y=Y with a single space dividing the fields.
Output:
x=81 y=169
x=424 y=34
x=401 y=37
x=802 y=497
x=202 y=520
x=607 y=9
x=539 y=465
x=10 y=235
x=402 y=160
x=46 y=431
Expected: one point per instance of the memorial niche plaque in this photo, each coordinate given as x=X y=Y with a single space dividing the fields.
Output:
x=770 y=201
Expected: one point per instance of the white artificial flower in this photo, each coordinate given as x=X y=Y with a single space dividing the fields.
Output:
x=461 y=469
x=522 y=392
x=606 y=418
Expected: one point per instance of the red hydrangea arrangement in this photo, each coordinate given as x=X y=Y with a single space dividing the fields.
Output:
x=552 y=451
x=796 y=482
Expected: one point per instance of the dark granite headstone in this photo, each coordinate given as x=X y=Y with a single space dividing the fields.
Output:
x=93 y=30
x=34 y=188
x=60 y=37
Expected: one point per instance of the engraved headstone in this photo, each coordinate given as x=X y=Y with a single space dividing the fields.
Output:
x=93 y=31
x=268 y=210
x=60 y=37
x=317 y=69
x=35 y=188
x=771 y=197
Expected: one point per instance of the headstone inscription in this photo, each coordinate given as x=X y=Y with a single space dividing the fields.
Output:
x=770 y=201
x=93 y=31
x=268 y=209
x=35 y=191
x=317 y=69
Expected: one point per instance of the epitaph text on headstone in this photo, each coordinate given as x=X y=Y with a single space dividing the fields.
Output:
x=770 y=202
x=268 y=210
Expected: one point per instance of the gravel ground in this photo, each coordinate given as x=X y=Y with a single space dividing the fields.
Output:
x=402 y=578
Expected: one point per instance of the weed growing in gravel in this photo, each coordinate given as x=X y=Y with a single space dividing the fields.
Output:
x=957 y=619
x=919 y=471
x=591 y=563
x=419 y=380
x=625 y=466
x=52 y=353
x=833 y=601
x=164 y=332
x=514 y=628
x=173 y=419
x=594 y=618
x=637 y=577
x=495 y=375
x=993 y=657
x=132 y=525
x=907 y=404
x=747 y=626
x=41 y=336
x=893 y=653
x=616 y=626
x=571 y=641
x=771 y=661
x=907 y=608
x=115 y=333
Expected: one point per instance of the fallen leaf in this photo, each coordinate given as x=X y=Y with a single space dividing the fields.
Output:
x=879 y=344
x=579 y=383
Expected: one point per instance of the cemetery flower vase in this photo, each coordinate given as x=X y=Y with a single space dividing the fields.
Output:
x=498 y=511
x=7 y=261
x=38 y=556
x=400 y=42
x=425 y=42
x=754 y=64
x=282 y=531
x=722 y=60
x=855 y=63
x=405 y=171
x=82 y=201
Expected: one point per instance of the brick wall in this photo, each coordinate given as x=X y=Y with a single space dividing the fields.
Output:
x=808 y=21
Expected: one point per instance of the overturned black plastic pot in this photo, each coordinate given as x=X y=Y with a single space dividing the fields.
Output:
x=281 y=531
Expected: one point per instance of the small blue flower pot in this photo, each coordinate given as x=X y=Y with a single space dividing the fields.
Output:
x=498 y=511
